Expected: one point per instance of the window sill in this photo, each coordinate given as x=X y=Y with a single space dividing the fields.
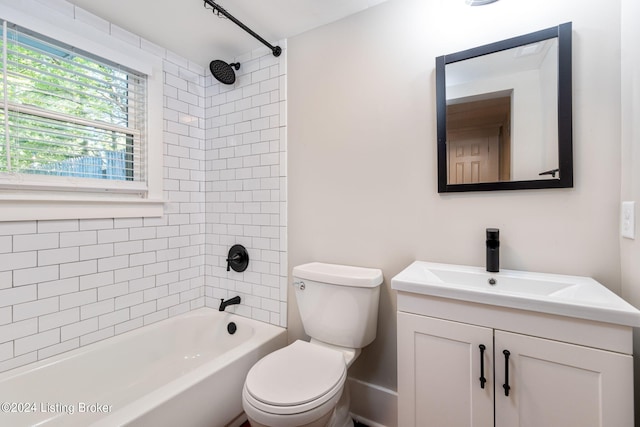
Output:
x=16 y=208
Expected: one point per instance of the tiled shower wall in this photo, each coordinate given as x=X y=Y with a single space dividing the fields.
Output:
x=65 y=284
x=246 y=186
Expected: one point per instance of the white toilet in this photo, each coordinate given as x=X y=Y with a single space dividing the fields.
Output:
x=303 y=383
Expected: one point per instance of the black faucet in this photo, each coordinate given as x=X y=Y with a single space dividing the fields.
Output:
x=493 y=250
x=232 y=301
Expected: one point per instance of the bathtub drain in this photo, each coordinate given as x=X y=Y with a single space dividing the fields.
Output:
x=232 y=328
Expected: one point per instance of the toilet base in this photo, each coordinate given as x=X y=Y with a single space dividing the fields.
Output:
x=321 y=422
x=339 y=417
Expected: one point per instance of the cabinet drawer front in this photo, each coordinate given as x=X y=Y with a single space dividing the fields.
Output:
x=439 y=370
x=554 y=384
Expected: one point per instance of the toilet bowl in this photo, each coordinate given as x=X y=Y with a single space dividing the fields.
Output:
x=304 y=384
x=298 y=385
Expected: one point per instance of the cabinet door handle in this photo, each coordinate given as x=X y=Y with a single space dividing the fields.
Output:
x=482 y=378
x=506 y=386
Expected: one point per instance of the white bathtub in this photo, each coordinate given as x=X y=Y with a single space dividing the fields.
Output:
x=184 y=371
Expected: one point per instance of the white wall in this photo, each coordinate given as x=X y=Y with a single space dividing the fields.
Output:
x=549 y=94
x=362 y=152
x=246 y=189
x=630 y=249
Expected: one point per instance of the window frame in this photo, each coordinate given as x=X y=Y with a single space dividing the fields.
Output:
x=41 y=197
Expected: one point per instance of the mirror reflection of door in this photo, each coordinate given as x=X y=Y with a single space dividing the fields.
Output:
x=479 y=140
x=473 y=156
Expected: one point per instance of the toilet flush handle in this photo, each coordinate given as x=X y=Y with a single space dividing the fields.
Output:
x=299 y=284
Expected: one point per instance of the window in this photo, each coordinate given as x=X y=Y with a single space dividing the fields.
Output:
x=80 y=119
x=68 y=113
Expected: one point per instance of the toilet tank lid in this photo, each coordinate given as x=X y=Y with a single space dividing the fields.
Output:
x=339 y=274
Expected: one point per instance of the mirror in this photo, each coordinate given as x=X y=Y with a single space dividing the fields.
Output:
x=504 y=114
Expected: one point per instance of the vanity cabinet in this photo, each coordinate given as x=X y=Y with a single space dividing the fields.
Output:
x=466 y=364
x=439 y=373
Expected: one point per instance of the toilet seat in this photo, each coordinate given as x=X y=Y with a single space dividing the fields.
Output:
x=295 y=379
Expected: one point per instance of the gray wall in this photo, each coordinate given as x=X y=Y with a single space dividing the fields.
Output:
x=362 y=152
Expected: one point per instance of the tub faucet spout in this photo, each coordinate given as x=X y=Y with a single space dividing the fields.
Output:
x=232 y=301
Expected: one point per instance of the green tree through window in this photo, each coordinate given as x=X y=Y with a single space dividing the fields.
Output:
x=66 y=112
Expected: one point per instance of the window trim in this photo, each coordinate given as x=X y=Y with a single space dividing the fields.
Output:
x=28 y=197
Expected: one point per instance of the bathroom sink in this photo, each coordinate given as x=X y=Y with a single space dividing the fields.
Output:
x=481 y=280
x=572 y=296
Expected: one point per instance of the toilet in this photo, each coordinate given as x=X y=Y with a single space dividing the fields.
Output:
x=304 y=384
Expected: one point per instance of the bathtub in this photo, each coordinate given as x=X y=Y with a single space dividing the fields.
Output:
x=184 y=371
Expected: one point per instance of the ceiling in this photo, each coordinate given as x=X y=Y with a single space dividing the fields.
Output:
x=185 y=27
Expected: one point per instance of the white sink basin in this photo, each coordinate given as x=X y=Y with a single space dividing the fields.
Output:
x=572 y=296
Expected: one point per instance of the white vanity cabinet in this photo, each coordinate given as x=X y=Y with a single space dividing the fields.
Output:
x=560 y=371
x=439 y=373
x=560 y=384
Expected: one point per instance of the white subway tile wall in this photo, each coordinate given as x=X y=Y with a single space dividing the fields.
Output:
x=246 y=190
x=68 y=283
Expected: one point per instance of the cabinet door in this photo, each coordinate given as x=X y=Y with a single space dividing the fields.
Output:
x=439 y=373
x=554 y=384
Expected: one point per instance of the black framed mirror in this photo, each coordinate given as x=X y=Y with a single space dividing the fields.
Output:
x=504 y=114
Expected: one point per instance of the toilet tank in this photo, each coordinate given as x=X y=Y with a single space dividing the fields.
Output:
x=338 y=304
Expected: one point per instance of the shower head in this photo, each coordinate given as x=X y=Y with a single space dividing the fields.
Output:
x=223 y=72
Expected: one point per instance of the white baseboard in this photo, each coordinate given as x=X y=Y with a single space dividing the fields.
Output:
x=238 y=421
x=372 y=404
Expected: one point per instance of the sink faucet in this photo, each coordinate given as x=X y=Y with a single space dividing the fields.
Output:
x=493 y=250
x=232 y=301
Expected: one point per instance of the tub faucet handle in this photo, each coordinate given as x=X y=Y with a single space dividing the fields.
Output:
x=237 y=259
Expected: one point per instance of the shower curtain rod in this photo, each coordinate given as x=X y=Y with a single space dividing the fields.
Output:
x=276 y=50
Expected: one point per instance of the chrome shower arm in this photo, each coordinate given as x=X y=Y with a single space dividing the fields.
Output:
x=276 y=50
